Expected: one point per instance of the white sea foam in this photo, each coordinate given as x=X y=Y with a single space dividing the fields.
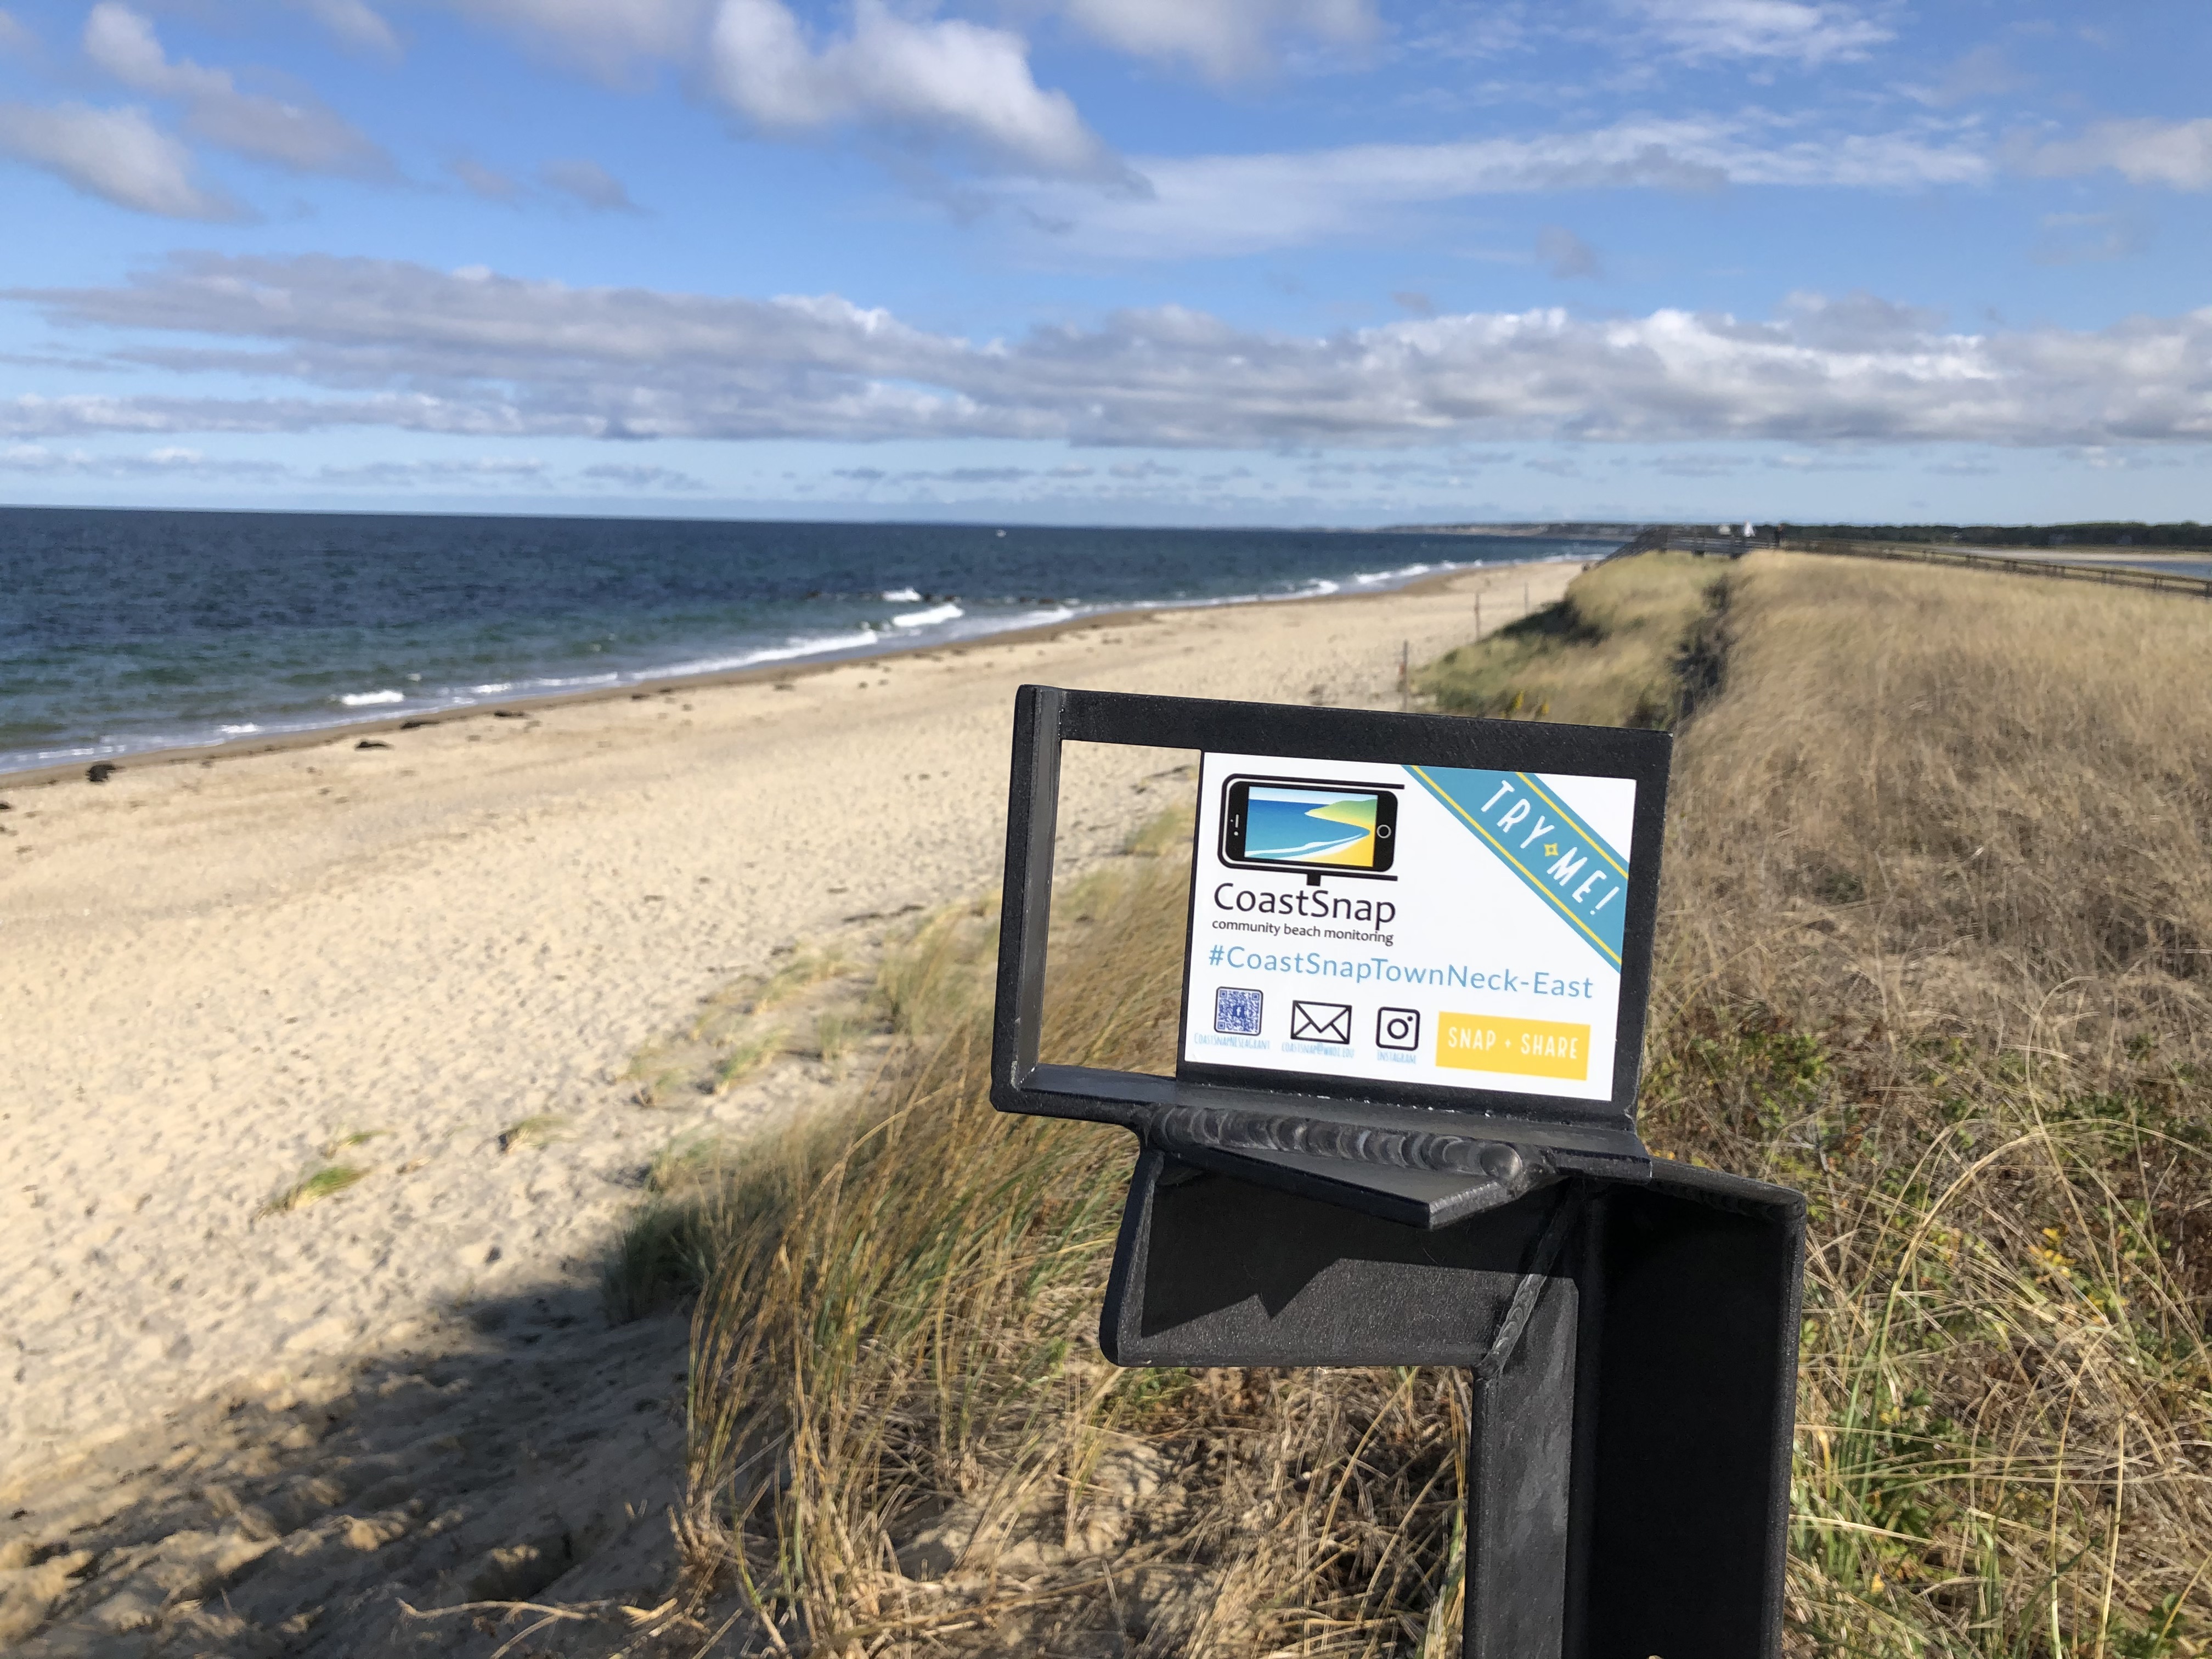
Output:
x=466 y=697
x=903 y=596
x=796 y=647
x=238 y=731
x=931 y=618
x=365 y=699
x=977 y=628
x=542 y=683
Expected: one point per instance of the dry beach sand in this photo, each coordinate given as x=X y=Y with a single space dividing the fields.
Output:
x=217 y=976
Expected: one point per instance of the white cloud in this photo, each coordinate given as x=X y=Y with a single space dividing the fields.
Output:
x=494 y=469
x=943 y=76
x=630 y=477
x=582 y=182
x=1232 y=204
x=1984 y=72
x=14 y=37
x=303 y=136
x=590 y=184
x=354 y=24
x=123 y=43
x=909 y=74
x=37 y=460
x=1809 y=35
x=2177 y=153
x=118 y=154
x=1222 y=38
x=479 y=180
x=178 y=461
x=377 y=342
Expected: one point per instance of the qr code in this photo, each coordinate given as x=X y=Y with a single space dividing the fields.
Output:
x=1236 y=1013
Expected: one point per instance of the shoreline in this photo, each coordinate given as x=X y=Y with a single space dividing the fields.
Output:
x=340 y=1077
x=792 y=669
x=439 y=969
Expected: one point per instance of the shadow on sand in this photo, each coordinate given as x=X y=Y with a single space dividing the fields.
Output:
x=523 y=1450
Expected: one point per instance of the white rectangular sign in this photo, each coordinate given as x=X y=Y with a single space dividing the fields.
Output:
x=1443 y=926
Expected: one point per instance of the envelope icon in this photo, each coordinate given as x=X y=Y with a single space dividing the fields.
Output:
x=1321 y=1022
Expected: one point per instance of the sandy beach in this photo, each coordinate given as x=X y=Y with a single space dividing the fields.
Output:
x=218 y=975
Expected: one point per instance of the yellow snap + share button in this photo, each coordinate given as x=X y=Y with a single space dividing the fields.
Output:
x=1527 y=1048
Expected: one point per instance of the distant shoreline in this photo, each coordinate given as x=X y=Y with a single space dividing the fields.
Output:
x=1575 y=531
x=788 y=669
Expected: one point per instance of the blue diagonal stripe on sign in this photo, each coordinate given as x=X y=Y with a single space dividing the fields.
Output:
x=1542 y=840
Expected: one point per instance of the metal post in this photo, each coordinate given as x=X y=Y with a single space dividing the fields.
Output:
x=1631 y=1349
x=1630 y=1325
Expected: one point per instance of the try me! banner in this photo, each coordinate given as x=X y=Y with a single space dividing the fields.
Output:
x=1435 y=925
x=1522 y=818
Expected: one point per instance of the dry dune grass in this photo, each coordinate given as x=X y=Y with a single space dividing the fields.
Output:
x=2016 y=767
x=1612 y=653
x=1939 y=898
x=1936 y=911
x=903 y=1439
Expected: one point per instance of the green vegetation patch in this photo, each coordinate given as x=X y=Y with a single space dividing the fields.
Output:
x=745 y=1056
x=328 y=1182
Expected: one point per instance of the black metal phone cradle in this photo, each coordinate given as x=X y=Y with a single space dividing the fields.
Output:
x=1630 y=1324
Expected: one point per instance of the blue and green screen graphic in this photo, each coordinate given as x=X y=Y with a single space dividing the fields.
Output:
x=1310 y=826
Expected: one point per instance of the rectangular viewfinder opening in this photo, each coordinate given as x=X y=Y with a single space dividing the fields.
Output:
x=1120 y=903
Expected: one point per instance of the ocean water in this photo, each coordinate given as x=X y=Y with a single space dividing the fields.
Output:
x=125 y=631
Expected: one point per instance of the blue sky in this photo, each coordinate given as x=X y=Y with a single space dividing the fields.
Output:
x=1191 y=261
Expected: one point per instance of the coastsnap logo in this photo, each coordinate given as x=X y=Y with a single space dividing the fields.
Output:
x=1311 y=903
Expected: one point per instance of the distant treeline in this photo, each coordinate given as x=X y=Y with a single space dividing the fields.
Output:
x=2002 y=535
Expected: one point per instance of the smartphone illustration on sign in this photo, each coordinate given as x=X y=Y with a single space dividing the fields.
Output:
x=1309 y=826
